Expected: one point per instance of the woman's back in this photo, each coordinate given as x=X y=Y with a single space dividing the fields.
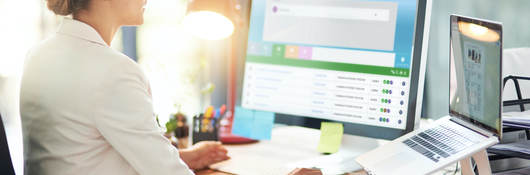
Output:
x=77 y=97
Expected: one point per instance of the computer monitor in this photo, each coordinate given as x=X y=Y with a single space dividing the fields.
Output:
x=357 y=62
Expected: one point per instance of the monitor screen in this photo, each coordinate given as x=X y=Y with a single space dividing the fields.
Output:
x=350 y=61
x=475 y=73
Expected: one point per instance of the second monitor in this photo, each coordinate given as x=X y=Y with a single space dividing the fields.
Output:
x=361 y=63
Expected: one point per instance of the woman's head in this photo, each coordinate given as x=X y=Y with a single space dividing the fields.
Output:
x=67 y=7
x=123 y=12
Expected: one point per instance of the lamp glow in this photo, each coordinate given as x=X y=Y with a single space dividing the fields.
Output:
x=208 y=25
x=478 y=32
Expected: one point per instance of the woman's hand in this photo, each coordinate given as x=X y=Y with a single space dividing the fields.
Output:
x=203 y=153
x=305 y=171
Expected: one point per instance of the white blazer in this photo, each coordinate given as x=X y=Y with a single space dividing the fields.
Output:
x=86 y=109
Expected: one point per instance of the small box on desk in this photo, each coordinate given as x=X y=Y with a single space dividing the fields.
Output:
x=205 y=129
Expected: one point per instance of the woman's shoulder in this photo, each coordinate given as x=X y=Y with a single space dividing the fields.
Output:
x=58 y=47
x=80 y=57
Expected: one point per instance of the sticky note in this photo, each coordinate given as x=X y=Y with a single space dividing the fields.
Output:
x=330 y=137
x=253 y=124
x=243 y=121
x=262 y=126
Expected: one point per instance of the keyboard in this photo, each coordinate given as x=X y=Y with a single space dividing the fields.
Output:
x=442 y=141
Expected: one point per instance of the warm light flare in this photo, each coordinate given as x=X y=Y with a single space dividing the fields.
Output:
x=477 y=29
x=208 y=25
x=478 y=32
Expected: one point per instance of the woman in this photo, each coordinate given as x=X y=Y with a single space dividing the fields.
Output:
x=86 y=108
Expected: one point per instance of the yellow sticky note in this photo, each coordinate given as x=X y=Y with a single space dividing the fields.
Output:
x=330 y=137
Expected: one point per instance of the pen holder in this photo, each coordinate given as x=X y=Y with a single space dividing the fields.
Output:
x=205 y=128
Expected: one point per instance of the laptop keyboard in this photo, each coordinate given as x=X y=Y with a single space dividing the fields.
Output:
x=441 y=141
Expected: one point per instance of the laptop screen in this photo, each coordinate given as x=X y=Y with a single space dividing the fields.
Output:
x=475 y=72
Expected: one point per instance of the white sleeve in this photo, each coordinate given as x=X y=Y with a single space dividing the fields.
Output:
x=125 y=118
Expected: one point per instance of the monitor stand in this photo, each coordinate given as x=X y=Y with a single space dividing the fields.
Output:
x=342 y=161
x=292 y=147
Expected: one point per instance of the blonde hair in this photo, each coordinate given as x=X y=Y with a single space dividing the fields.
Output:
x=66 y=7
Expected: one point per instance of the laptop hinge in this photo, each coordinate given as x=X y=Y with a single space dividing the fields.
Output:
x=461 y=123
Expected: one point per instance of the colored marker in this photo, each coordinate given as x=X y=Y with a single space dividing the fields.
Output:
x=217 y=113
x=209 y=112
x=223 y=109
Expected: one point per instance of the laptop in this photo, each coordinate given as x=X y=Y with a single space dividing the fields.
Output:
x=474 y=120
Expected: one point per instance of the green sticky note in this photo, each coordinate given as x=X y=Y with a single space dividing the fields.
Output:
x=330 y=137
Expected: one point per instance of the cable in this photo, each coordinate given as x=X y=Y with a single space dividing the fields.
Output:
x=456 y=168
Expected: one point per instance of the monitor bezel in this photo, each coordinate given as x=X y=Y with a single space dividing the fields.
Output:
x=492 y=25
x=417 y=73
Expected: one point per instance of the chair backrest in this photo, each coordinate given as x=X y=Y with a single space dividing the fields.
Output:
x=11 y=138
x=516 y=62
x=6 y=165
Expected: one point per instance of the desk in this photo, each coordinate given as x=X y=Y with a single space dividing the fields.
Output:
x=291 y=145
x=215 y=172
x=211 y=172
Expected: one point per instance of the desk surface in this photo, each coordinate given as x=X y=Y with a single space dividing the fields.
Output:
x=216 y=172
x=293 y=146
x=211 y=172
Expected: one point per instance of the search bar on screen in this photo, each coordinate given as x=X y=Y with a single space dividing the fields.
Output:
x=367 y=14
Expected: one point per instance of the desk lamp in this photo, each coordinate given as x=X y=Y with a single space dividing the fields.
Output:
x=210 y=19
x=214 y=20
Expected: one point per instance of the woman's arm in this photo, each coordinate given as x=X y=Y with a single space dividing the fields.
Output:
x=123 y=114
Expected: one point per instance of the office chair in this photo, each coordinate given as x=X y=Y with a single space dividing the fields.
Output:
x=6 y=165
x=516 y=95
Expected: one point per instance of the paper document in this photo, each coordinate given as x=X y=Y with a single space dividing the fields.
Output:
x=520 y=147
x=516 y=119
x=336 y=163
x=293 y=147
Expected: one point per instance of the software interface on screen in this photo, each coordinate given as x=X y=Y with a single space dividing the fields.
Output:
x=475 y=72
x=343 y=60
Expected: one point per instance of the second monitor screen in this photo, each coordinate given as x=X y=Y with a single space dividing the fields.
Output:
x=343 y=60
